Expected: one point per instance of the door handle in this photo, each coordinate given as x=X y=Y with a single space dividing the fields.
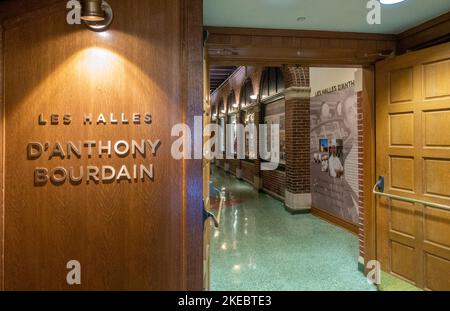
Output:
x=208 y=215
x=380 y=184
x=378 y=189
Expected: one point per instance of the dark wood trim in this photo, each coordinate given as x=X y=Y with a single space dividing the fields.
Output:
x=265 y=32
x=425 y=26
x=369 y=163
x=2 y=165
x=335 y=220
x=296 y=211
x=13 y=12
x=430 y=32
x=277 y=47
x=193 y=169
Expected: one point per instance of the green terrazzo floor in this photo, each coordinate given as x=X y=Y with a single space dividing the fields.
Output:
x=260 y=246
x=390 y=283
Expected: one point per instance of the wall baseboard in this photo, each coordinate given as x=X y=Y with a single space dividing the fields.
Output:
x=335 y=220
x=272 y=194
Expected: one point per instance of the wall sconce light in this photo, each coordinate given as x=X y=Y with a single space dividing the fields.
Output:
x=97 y=14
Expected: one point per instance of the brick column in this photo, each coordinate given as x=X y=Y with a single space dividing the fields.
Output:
x=298 y=175
x=226 y=162
x=239 y=121
x=217 y=146
x=361 y=232
x=257 y=182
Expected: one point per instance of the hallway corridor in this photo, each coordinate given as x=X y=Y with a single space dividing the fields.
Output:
x=260 y=246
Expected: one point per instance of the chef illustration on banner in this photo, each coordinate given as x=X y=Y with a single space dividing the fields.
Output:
x=335 y=167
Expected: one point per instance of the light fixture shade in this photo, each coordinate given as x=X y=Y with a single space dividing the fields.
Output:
x=92 y=11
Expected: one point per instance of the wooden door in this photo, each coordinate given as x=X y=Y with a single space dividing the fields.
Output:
x=413 y=154
x=137 y=232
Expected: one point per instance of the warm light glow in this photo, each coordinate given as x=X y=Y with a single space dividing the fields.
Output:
x=253 y=97
x=96 y=63
x=97 y=71
x=391 y=1
x=104 y=34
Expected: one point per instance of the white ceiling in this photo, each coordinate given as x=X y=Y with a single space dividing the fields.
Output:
x=329 y=15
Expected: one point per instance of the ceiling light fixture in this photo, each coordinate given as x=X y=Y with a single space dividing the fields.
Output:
x=97 y=14
x=391 y=1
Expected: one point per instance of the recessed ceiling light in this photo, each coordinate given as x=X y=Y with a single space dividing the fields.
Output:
x=391 y=1
x=301 y=19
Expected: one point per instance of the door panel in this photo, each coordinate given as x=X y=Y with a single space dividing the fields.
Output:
x=413 y=153
x=127 y=234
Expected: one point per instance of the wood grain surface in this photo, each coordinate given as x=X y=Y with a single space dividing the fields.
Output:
x=126 y=235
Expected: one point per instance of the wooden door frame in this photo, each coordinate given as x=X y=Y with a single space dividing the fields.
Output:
x=368 y=110
x=193 y=201
x=369 y=164
x=235 y=46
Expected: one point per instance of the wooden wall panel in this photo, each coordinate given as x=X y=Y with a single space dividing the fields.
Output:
x=430 y=33
x=247 y=46
x=128 y=235
x=193 y=175
x=2 y=214
x=437 y=82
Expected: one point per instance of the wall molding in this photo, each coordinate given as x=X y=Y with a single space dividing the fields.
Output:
x=425 y=34
x=277 y=47
x=297 y=92
x=14 y=13
x=335 y=220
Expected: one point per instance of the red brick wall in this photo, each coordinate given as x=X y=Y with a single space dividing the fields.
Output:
x=234 y=83
x=298 y=173
x=234 y=164
x=274 y=181
x=248 y=171
x=296 y=76
x=361 y=172
x=297 y=177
